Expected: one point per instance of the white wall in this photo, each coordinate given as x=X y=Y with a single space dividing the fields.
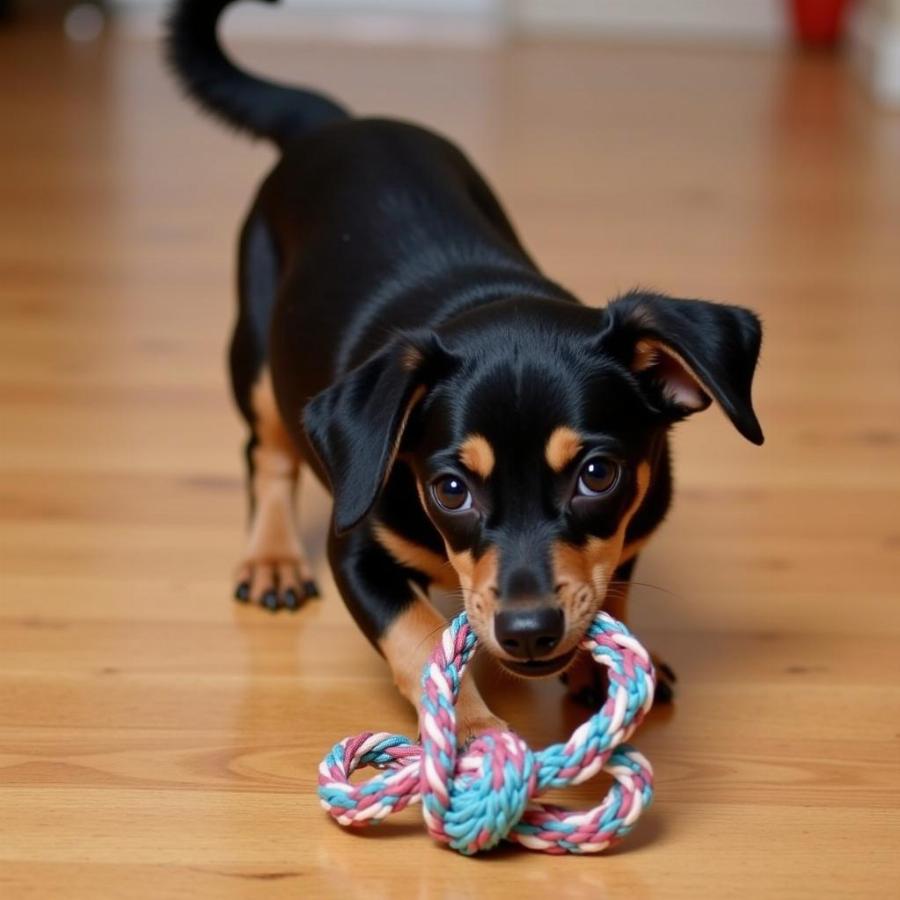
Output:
x=442 y=20
x=875 y=41
x=429 y=21
x=755 y=20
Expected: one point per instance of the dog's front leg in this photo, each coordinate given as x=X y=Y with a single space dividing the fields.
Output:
x=389 y=603
x=407 y=644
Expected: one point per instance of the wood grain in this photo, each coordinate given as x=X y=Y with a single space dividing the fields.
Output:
x=158 y=741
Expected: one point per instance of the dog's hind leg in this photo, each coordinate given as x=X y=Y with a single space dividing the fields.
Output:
x=274 y=572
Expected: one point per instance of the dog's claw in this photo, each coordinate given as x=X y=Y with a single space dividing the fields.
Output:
x=310 y=589
x=269 y=601
x=290 y=600
x=242 y=592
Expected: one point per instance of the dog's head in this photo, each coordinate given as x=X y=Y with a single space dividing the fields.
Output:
x=532 y=428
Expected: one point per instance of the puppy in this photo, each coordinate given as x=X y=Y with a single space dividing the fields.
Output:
x=479 y=428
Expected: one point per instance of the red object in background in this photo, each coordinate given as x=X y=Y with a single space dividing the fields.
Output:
x=819 y=23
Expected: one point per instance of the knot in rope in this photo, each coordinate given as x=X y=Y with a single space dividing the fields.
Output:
x=474 y=799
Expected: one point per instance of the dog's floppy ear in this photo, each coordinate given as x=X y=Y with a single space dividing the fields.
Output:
x=356 y=425
x=683 y=352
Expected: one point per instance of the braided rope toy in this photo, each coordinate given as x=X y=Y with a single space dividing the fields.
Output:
x=473 y=800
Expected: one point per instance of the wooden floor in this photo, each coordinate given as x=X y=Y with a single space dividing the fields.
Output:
x=156 y=740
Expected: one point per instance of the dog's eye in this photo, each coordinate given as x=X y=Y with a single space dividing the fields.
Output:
x=451 y=493
x=598 y=476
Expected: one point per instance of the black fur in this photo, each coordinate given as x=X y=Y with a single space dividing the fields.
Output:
x=399 y=313
x=720 y=342
x=262 y=108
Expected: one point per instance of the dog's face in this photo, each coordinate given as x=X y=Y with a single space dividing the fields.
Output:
x=530 y=462
x=533 y=429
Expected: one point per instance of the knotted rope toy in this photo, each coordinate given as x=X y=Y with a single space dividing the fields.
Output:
x=474 y=799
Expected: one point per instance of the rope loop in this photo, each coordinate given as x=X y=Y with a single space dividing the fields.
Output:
x=475 y=799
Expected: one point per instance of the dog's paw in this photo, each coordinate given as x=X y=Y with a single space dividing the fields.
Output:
x=585 y=681
x=275 y=584
x=587 y=684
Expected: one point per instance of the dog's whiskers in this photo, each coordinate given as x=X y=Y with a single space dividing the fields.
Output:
x=624 y=585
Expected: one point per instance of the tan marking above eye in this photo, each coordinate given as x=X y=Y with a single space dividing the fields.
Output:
x=562 y=447
x=477 y=455
x=411 y=359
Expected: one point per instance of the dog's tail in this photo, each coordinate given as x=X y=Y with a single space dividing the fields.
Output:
x=250 y=104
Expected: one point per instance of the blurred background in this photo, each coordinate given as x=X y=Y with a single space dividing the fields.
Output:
x=870 y=29
x=746 y=151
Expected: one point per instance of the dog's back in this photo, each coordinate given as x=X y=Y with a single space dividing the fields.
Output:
x=363 y=226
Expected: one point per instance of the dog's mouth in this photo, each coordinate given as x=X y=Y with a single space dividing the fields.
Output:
x=539 y=668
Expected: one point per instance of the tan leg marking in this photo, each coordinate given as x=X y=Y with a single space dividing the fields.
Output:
x=477 y=455
x=562 y=447
x=407 y=644
x=274 y=559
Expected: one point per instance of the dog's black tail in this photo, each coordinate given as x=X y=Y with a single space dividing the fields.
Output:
x=262 y=108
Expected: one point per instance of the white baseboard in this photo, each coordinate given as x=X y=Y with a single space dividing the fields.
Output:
x=755 y=21
x=875 y=49
x=435 y=22
x=479 y=21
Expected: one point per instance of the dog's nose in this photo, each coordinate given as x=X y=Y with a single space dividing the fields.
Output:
x=529 y=633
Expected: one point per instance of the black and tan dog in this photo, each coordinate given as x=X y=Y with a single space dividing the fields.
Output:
x=479 y=428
